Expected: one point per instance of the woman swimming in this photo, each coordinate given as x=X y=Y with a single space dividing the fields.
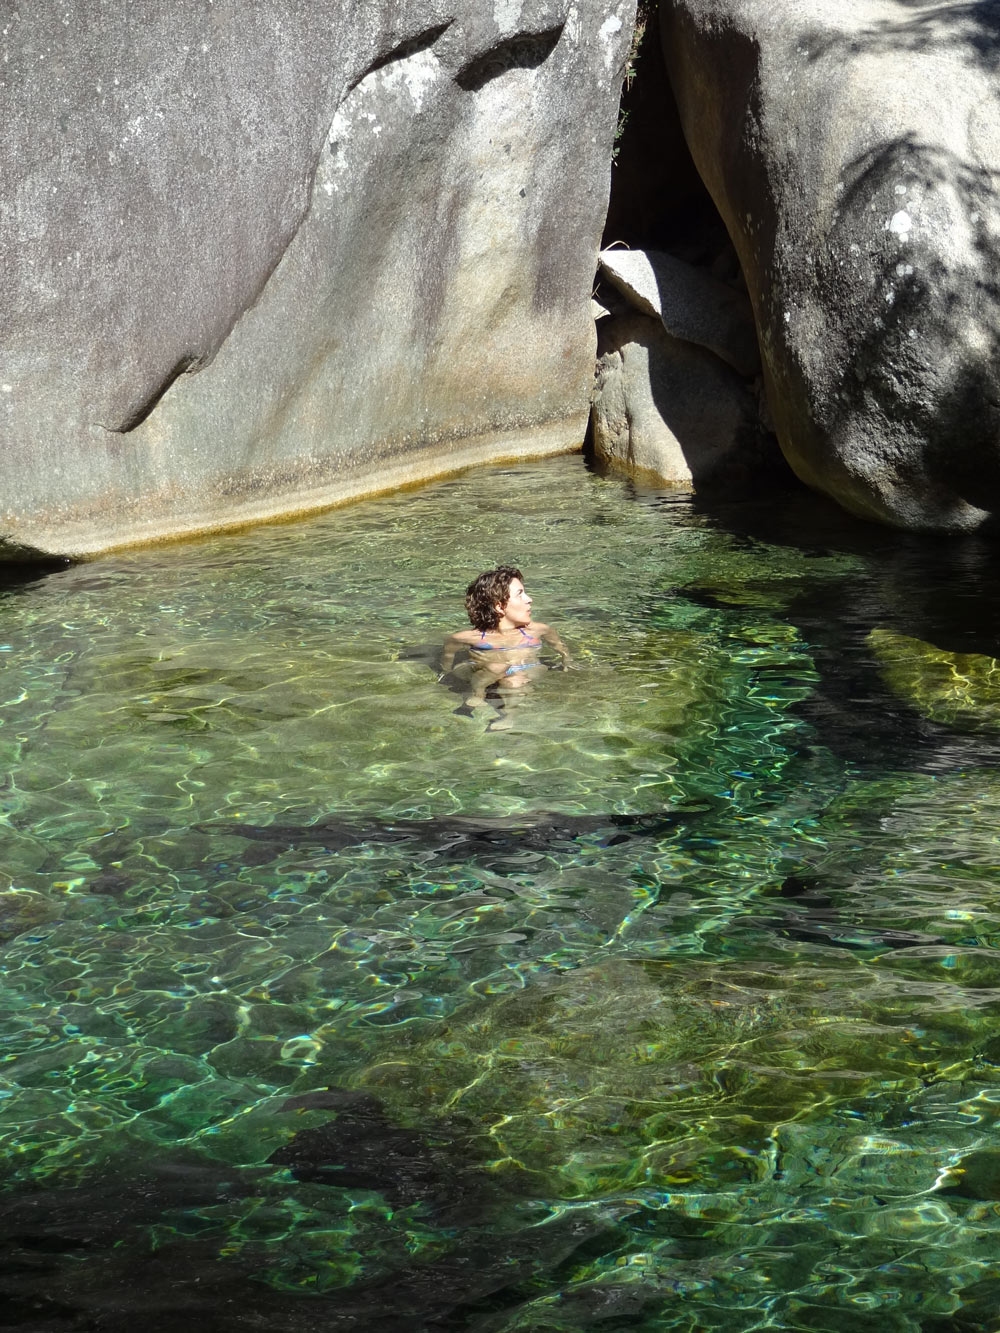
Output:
x=504 y=646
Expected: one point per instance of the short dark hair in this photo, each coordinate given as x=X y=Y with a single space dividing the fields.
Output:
x=488 y=591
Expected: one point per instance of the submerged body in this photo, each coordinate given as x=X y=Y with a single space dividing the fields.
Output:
x=505 y=645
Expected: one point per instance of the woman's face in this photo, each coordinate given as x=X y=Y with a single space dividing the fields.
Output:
x=518 y=608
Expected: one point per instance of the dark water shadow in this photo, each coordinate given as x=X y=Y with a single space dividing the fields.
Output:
x=152 y=1252
x=16 y=575
x=943 y=591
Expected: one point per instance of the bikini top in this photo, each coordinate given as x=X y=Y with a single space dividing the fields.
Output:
x=529 y=642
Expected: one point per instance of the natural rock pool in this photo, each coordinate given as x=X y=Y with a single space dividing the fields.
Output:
x=674 y=1006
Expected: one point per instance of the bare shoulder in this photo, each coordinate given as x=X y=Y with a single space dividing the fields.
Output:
x=539 y=627
x=463 y=636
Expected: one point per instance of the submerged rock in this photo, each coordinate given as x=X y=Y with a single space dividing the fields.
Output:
x=259 y=262
x=458 y=837
x=863 y=213
x=959 y=690
x=658 y=1073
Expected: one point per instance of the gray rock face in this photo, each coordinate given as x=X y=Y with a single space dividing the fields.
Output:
x=668 y=408
x=853 y=151
x=263 y=258
x=693 y=305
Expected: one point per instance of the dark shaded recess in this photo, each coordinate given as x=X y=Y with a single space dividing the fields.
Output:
x=658 y=200
x=422 y=42
x=527 y=51
x=22 y=565
x=139 y=415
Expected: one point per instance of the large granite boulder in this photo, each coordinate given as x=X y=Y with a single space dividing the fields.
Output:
x=853 y=151
x=261 y=258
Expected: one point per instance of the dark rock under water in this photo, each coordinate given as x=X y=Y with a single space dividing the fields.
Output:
x=461 y=837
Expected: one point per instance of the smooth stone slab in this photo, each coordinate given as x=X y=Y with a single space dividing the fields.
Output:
x=692 y=304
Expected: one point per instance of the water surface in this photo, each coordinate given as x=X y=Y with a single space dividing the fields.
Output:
x=673 y=1006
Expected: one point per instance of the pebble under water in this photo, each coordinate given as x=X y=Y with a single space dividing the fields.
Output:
x=672 y=1006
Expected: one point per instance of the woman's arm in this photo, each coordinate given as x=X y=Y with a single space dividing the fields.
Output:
x=451 y=646
x=548 y=634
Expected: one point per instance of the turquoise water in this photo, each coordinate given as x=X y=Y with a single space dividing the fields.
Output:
x=672 y=1006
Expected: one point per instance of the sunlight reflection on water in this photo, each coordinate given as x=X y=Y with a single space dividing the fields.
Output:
x=673 y=1004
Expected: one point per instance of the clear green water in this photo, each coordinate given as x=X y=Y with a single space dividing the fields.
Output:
x=285 y=1043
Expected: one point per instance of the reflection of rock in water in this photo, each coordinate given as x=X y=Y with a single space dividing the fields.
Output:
x=851 y=710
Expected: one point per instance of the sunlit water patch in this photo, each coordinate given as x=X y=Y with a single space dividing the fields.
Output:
x=671 y=1006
